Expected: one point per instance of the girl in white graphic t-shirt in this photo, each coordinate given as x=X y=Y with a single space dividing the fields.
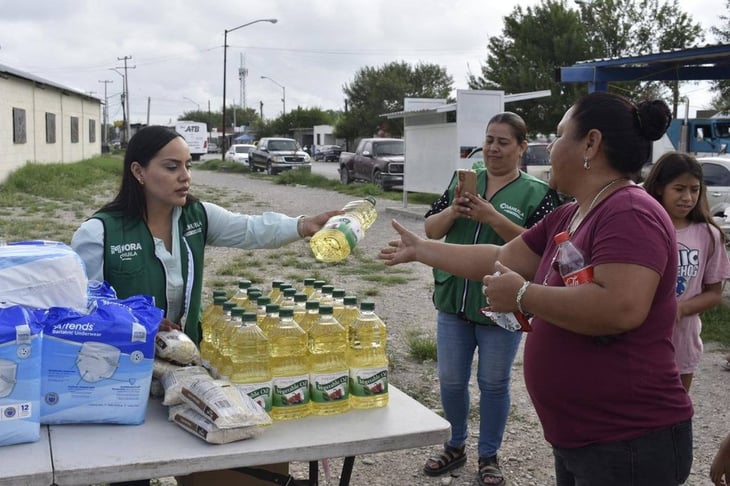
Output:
x=676 y=182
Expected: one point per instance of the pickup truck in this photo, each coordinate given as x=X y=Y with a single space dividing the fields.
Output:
x=275 y=155
x=376 y=160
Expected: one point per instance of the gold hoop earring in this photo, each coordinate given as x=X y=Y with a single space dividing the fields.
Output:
x=586 y=163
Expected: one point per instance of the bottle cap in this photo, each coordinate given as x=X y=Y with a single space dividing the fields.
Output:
x=325 y=310
x=561 y=237
x=339 y=293
x=318 y=284
x=244 y=284
x=237 y=311
x=370 y=199
x=328 y=289
x=219 y=299
x=218 y=292
x=290 y=291
x=312 y=304
x=228 y=305
x=263 y=300
x=286 y=312
x=367 y=306
x=270 y=308
x=249 y=317
x=300 y=297
x=350 y=300
x=276 y=284
x=308 y=282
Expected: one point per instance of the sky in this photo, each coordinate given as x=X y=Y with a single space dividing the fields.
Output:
x=174 y=48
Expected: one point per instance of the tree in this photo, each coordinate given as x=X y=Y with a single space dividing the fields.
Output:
x=539 y=39
x=534 y=42
x=376 y=91
x=297 y=118
x=721 y=101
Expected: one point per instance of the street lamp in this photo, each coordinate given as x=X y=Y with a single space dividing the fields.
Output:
x=225 y=50
x=283 y=94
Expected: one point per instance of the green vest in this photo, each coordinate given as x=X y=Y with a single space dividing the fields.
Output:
x=518 y=200
x=131 y=267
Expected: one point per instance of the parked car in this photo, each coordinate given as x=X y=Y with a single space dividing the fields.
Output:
x=328 y=153
x=535 y=160
x=278 y=154
x=213 y=148
x=376 y=160
x=239 y=153
x=716 y=175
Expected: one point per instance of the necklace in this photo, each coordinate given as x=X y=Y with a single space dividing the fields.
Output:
x=574 y=221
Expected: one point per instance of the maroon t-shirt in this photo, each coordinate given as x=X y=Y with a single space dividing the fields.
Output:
x=589 y=390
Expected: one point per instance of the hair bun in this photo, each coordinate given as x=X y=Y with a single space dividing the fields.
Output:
x=653 y=118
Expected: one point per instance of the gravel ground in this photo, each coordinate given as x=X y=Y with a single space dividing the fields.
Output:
x=407 y=310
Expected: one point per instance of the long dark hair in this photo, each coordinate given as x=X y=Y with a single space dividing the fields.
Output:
x=627 y=130
x=676 y=164
x=142 y=148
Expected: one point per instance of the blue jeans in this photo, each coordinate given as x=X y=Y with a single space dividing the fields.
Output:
x=456 y=340
x=659 y=458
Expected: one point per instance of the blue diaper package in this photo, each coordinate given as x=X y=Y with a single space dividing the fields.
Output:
x=20 y=375
x=97 y=366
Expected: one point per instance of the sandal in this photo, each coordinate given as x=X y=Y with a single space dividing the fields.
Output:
x=489 y=473
x=450 y=458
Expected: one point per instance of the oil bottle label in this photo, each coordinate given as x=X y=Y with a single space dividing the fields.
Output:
x=349 y=227
x=261 y=393
x=290 y=390
x=366 y=382
x=329 y=387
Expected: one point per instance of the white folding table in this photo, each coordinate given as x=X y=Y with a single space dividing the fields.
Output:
x=25 y=464
x=88 y=454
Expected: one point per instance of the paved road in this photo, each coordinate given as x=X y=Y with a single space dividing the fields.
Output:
x=325 y=169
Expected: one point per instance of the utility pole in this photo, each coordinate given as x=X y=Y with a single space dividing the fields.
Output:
x=125 y=96
x=261 y=110
x=242 y=74
x=104 y=132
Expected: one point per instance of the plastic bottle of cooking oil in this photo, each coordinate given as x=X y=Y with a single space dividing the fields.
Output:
x=219 y=325
x=224 y=364
x=287 y=298
x=367 y=360
x=329 y=375
x=275 y=291
x=241 y=295
x=289 y=369
x=207 y=321
x=300 y=305
x=317 y=294
x=253 y=297
x=251 y=361
x=311 y=315
x=270 y=319
x=327 y=298
x=348 y=313
x=338 y=301
x=335 y=241
x=212 y=307
x=308 y=288
x=261 y=304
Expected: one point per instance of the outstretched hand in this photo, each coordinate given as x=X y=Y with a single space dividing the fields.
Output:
x=402 y=250
x=311 y=224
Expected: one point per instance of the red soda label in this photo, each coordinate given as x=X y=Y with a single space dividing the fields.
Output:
x=582 y=276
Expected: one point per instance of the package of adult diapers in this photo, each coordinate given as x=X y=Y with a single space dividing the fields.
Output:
x=97 y=366
x=42 y=274
x=20 y=375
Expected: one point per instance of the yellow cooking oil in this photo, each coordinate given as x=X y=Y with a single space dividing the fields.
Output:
x=251 y=361
x=289 y=369
x=367 y=359
x=329 y=376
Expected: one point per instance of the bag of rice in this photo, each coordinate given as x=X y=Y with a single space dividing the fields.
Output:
x=175 y=346
x=174 y=380
x=160 y=367
x=199 y=425
x=224 y=404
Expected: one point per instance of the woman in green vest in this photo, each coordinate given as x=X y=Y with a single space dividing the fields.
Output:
x=151 y=238
x=509 y=201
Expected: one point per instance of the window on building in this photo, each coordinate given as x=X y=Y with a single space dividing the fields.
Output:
x=74 y=129
x=92 y=131
x=50 y=128
x=19 y=131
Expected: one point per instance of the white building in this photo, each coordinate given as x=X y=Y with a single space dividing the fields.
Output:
x=42 y=121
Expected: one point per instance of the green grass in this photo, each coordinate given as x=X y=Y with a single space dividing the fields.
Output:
x=716 y=325
x=422 y=348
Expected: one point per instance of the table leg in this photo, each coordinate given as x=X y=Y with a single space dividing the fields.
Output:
x=313 y=473
x=347 y=470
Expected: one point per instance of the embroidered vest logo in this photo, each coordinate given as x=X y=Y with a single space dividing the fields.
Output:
x=192 y=228
x=126 y=251
x=516 y=212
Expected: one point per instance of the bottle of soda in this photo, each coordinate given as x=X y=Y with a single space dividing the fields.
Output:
x=573 y=265
x=251 y=361
x=367 y=359
x=337 y=238
x=289 y=369
x=329 y=375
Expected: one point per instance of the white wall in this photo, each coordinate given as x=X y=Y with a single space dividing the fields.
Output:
x=38 y=99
